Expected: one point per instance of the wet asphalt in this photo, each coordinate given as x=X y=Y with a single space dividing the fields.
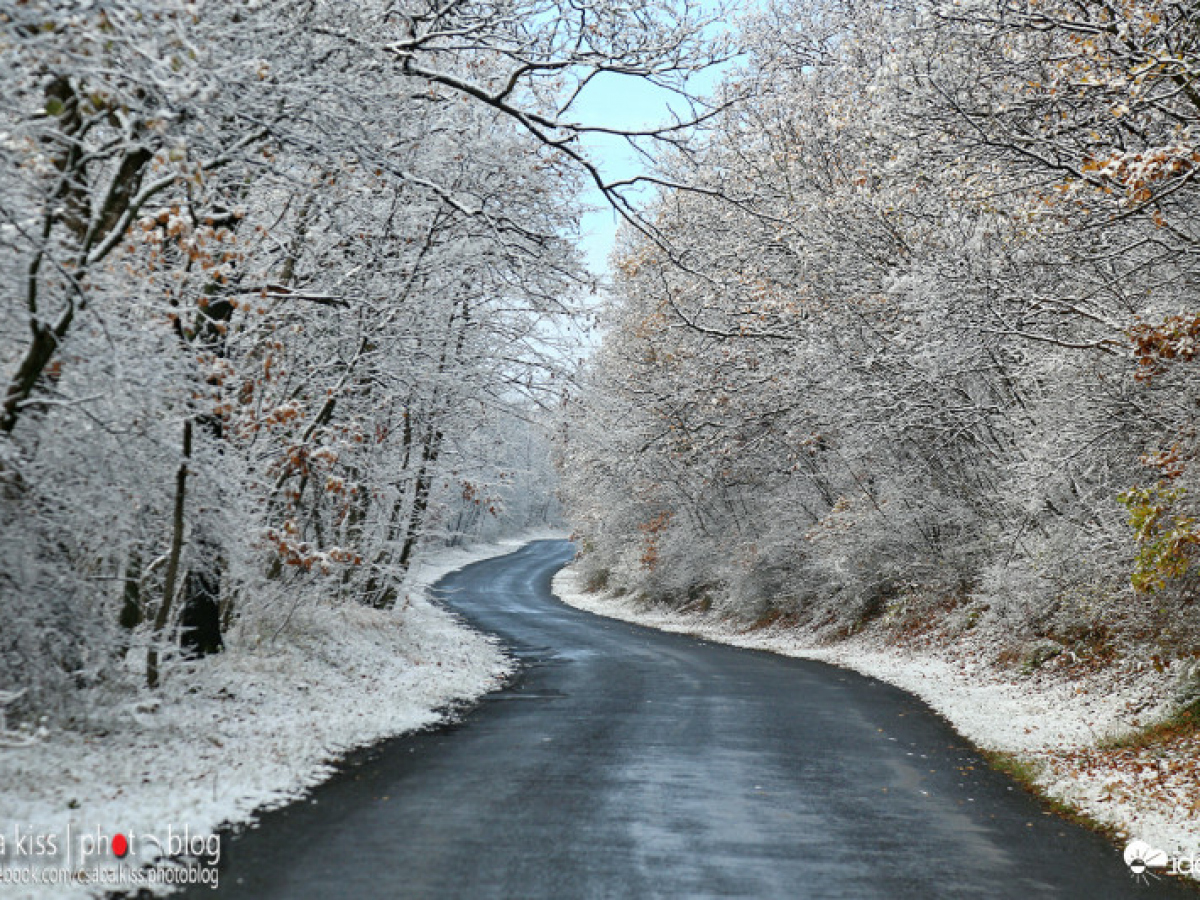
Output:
x=625 y=763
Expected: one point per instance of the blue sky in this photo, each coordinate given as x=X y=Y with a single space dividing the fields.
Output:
x=622 y=101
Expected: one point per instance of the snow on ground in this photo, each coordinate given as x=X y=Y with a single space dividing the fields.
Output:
x=1050 y=722
x=249 y=729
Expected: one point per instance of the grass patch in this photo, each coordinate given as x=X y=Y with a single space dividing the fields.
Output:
x=1183 y=723
x=1026 y=773
x=596 y=581
x=774 y=618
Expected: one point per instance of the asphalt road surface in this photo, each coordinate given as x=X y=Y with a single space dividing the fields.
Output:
x=627 y=763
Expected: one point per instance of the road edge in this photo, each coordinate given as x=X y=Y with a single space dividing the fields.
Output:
x=1030 y=768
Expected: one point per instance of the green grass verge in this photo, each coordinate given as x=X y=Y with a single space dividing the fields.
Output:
x=1181 y=723
x=1026 y=773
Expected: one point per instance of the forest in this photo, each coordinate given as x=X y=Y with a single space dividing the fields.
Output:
x=290 y=292
x=901 y=322
x=920 y=342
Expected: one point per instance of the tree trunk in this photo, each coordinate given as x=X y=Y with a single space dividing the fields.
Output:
x=164 y=610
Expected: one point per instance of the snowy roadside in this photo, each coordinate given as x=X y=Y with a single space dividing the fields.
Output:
x=1051 y=723
x=243 y=732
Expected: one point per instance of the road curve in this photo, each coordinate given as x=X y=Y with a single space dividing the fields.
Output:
x=628 y=763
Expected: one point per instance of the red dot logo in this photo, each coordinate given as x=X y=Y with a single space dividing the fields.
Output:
x=120 y=846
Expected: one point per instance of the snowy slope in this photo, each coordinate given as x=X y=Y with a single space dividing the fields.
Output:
x=249 y=729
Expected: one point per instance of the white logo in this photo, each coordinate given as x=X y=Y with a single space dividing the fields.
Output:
x=1140 y=857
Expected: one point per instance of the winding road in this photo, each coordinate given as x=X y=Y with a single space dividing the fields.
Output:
x=627 y=763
